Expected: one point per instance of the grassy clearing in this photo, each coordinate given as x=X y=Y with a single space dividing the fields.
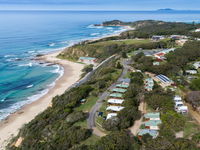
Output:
x=129 y=41
x=88 y=105
x=91 y=140
x=190 y=128
x=83 y=124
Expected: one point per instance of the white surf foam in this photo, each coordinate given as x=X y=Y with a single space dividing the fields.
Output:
x=13 y=108
x=30 y=86
x=94 y=34
x=26 y=65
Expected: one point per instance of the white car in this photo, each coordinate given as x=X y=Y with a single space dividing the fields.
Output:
x=182 y=110
x=178 y=104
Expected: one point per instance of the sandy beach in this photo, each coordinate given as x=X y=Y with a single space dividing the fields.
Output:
x=11 y=126
x=72 y=72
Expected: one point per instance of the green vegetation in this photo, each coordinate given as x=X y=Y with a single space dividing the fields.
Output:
x=104 y=49
x=176 y=61
x=63 y=125
x=130 y=113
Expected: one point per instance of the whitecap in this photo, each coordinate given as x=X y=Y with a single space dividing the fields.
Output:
x=92 y=26
x=26 y=65
x=94 y=34
x=30 y=86
x=6 y=56
x=2 y=100
x=52 y=44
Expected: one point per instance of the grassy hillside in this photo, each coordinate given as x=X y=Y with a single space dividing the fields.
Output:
x=104 y=49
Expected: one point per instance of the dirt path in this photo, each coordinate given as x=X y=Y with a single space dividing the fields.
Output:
x=136 y=127
x=194 y=113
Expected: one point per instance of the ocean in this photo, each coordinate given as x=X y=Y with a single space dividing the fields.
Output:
x=24 y=34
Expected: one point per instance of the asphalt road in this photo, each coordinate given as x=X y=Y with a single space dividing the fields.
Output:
x=103 y=96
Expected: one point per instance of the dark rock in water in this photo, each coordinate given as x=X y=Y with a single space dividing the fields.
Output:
x=97 y=25
x=50 y=64
x=39 y=55
x=18 y=59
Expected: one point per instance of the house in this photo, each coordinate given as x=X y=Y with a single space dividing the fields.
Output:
x=123 y=86
x=114 y=108
x=115 y=101
x=156 y=63
x=182 y=110
x=149 y=83
x=152 y=124
x=119 y=90
x=196 y=65
x=181 y=42
x=116 y=95
x=152 y=133
x=88 y=60
x=197 y=30
x=160 y=56
x=165 y=80
x=126 y=81
x=83 y=101
x=177 y=98
x=157 y=37
x=111 y=115
x=178 y=37
x=191 y=72
x=152 y=116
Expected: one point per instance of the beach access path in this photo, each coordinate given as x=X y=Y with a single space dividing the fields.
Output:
x=11 y=126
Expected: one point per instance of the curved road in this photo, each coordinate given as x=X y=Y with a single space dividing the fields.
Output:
x=103 y=96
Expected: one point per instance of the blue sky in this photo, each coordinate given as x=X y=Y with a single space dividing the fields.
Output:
x=100 y=4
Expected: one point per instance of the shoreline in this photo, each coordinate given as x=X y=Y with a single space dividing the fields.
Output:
x=10 y=126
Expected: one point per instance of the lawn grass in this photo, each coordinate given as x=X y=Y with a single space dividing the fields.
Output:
x=128 y=41
x=86 y=107
x=91 y=140
x=190 y=129
x=82 y=124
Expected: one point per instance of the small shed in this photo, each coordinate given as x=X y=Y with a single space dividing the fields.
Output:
x=111 y=115
x=116 y=95
x=114 y=108
x=152 y=116
x=153 y=124
x=152 y=133
x=119 y=90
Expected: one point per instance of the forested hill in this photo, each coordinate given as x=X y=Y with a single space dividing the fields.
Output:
x=148 y=28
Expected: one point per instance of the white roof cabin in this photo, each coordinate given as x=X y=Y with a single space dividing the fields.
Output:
x=88 y=60
x=196 y=65
x=114 y=108
x=110 y=115
x=115 y=101
x=191 y=71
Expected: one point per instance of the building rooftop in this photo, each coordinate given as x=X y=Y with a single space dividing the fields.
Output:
x=152 y=133
x=110 y=115
x=152 y=115
x=153 y=123
x=122 y=85
x=114 y=108
x=119 y=90
x=115 y=101
x=163 y=78
x=87 y=58
x=118 y=95
x=126 y=80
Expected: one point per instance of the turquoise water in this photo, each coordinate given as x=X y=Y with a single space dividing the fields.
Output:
x=26 y=34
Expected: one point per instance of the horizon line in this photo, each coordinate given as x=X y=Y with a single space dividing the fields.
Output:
x=161 y=10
